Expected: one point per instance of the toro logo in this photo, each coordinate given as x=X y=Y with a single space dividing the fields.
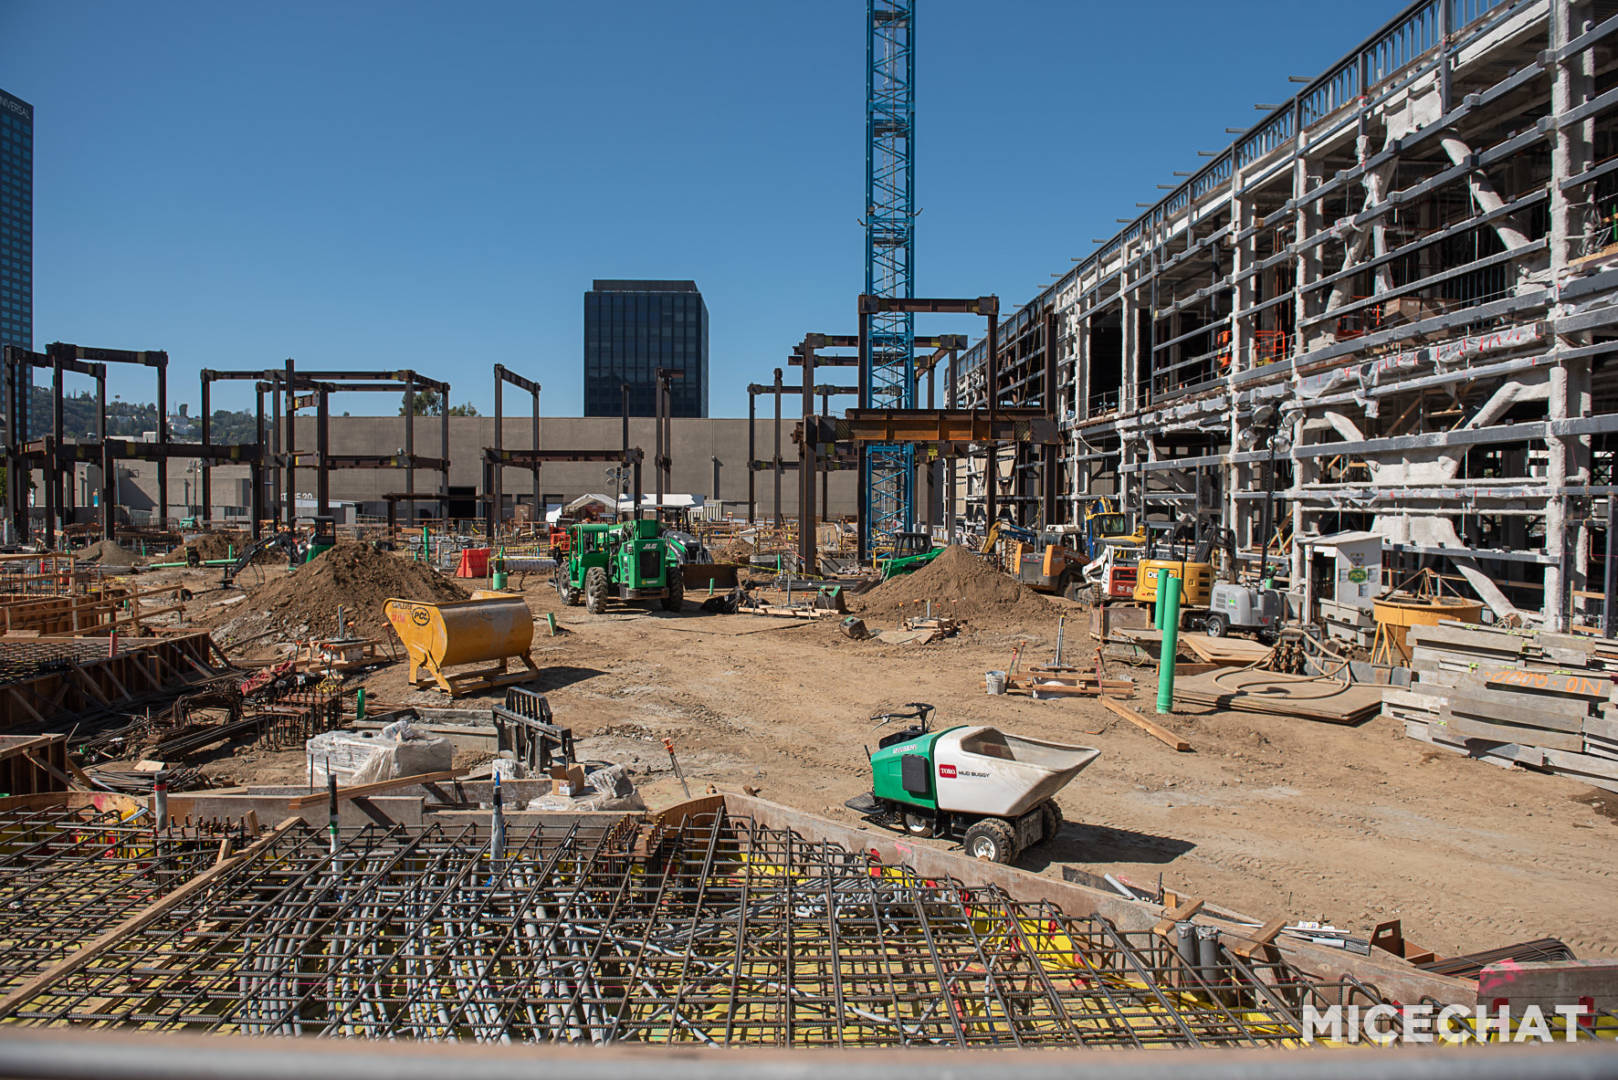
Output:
x=946 y=771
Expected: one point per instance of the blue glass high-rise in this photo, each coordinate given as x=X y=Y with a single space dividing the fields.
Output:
x=17 y=227
x=632 y=328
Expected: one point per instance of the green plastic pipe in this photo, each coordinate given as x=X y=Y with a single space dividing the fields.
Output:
x=359 y=704
x=1171 y=642
x=1157 y=600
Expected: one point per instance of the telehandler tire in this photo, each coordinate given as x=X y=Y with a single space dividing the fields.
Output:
x=991 y=839
x=675 y=600
x=595 y=590
x=565 y=592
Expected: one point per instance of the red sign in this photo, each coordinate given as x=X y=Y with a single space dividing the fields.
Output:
x=946 y=771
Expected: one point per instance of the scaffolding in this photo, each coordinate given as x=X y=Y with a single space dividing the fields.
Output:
x=707 y=931
x=1403 y=277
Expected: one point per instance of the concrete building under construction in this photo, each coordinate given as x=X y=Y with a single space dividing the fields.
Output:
x=1400 y=283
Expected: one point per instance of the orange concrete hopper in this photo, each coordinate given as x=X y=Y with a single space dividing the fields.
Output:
x=488 y=627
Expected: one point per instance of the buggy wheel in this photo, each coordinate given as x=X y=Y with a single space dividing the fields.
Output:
x=1050 y=818
x=992 y=840
x=675 y=599
x=917 y=824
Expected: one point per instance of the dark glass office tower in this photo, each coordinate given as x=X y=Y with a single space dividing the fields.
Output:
x=632 y=328
x=17 y=226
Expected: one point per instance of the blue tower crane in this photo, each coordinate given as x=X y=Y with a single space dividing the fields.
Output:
x=889 y=378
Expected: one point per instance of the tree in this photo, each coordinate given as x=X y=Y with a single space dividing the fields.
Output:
x=431 y=403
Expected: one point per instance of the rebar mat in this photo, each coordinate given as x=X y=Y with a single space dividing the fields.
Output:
x=717 y=933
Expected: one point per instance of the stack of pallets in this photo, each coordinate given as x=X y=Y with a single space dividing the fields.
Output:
x=1543 y=701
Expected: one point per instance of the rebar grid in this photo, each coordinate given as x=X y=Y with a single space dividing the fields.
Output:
x=23 y=660
x=66 y=875
x=721 y=934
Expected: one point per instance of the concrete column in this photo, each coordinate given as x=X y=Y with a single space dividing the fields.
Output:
x=1079 y=486
x=1569 y=457
x=1245 y=293
x=1130 y=397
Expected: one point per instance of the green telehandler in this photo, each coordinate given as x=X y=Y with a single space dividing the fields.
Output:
x=631 y=560
x=911 y=551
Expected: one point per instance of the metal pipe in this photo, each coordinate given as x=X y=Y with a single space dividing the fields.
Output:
x=1171 y=642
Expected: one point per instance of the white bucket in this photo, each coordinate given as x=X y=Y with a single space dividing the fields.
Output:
x=996 y=682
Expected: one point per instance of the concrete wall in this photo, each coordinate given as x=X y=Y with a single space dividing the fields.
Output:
x=697 y=444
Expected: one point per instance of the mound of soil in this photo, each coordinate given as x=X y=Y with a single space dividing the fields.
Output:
x=732 y=551
x=356 y=578
x=215 y=545
x=960 y=585
x=107 y=553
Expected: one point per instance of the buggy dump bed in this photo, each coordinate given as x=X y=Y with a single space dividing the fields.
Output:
x=982 y=770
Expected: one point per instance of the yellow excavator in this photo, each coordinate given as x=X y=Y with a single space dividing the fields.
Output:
x=1014 y=532
x=1194 y=566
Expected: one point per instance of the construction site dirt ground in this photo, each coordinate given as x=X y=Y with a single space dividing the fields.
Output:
x=1268 y=816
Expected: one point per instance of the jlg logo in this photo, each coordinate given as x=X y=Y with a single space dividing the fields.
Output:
x=946 y=771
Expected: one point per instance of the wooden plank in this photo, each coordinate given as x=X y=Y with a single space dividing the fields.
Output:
x=1540 y=712
x=81 y=957
x=1451 y=636
x=1473 y=728
x=1582 y=686
x=1178 y=911
x=1477 y=751
x=1582 y=763
x=1161 y=733
x=298 y=802
x=1602 y=727
x=1408 y=699
x=1231 y=652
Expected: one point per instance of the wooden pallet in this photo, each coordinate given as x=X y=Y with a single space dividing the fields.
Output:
x=782 y=612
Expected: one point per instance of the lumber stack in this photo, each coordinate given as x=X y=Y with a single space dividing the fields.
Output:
x=1056 y=680
x=1541 y=701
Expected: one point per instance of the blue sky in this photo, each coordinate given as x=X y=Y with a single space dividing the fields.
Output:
x=390 y=184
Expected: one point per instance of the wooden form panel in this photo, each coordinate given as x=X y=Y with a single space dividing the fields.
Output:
x=73 y=676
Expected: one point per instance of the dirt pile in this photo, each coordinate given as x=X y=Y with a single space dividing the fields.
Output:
x=214 y=545
x=735 y=550
x=356 y=578
x=960 y=585
x=107 y=553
